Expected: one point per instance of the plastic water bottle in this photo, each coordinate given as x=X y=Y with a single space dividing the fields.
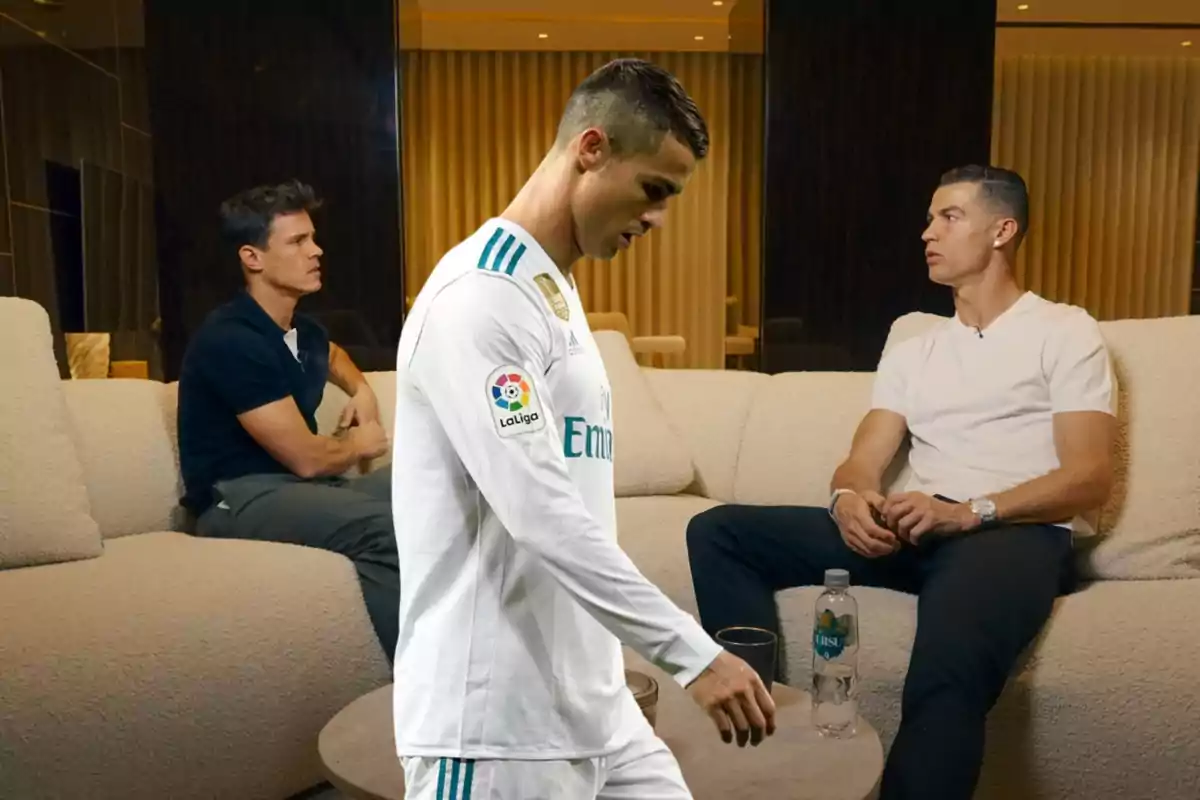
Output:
x=835 y=658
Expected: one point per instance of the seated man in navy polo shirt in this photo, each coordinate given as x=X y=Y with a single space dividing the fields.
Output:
x=254 y=466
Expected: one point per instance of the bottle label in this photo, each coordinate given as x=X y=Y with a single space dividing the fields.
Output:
x=831 y=634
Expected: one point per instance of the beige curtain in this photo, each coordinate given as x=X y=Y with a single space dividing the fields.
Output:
x=1109 y=147
x=476 y=125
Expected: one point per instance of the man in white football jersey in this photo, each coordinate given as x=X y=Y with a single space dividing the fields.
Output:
x=509 y=675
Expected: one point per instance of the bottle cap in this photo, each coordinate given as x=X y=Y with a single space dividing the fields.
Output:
x=837 y=578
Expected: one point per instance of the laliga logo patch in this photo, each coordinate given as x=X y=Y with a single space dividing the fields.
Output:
x=514 y=403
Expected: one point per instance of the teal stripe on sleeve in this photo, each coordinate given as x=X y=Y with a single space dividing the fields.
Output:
x=441 y=778
x=467 y=778
x=516 y=258
x=453 y=778
x=503 y=250
x=487 y=251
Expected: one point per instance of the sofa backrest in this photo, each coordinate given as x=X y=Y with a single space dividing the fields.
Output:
x=798 y=431
x=125 y=437
x=708 y=409
x=1152 y=520
x=752 y=438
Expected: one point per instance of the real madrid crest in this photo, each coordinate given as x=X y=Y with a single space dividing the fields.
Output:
x=554 y=296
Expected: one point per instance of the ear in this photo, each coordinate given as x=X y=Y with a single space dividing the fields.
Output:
x=594 y=149
x=250 y=257
x=1006 y=231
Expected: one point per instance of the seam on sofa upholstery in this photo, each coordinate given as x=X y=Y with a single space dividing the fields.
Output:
x=741 y=441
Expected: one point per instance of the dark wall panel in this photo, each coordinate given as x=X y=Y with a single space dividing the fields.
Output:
x=57 y=108
x=5 y=224
x=248 y=93
x=868 y=102
x=7 y=276
x=87 y=28
x=71 y=77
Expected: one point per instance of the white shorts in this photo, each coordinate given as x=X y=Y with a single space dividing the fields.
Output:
x=643 y=770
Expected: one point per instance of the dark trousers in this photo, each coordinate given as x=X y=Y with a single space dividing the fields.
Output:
x=983 y=597
x=350 y=517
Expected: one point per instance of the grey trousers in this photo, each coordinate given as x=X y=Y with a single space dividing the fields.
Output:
x=352 y=517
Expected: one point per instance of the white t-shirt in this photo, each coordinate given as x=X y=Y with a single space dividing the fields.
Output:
x=515 y=591
x=980 y=408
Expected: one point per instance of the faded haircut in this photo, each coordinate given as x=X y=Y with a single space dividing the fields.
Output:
x=637 y=104
x=1002 y=189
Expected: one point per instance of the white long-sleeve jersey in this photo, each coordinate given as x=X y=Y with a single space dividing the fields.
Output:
x=515 y=595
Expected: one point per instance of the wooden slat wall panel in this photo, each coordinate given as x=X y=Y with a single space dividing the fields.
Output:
x=476 y=125
x=1110 y=148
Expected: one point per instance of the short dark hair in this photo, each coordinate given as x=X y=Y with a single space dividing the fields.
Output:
x=247 y=216
x=998 y=186
x=636 y=103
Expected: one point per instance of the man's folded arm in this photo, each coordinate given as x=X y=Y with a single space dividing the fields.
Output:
x=280 y=429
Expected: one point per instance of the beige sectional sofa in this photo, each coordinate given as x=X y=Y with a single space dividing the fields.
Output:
x=168 y=666
x=155 y=665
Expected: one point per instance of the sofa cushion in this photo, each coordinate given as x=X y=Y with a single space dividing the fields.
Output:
x=798 y=432
x=1151 y=524
x=653 y=531
x=181 y=667
x=650 y=457
x=44 y=512
x=127 y=452
x=710 y=409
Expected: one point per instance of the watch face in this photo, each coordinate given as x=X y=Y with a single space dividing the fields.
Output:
x=984 y=508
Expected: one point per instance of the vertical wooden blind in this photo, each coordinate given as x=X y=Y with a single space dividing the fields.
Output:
x=477 y=124
x=745 y=188
x=1109 y=147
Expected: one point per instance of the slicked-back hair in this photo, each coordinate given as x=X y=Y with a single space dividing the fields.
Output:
x=1002 y=188
x=637 y=104
x=247 y=216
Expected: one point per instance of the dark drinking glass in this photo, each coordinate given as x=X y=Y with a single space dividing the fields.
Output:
x=755 y=646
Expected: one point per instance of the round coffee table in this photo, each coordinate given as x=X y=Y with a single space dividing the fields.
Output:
x=358 y=754
x=797 y=762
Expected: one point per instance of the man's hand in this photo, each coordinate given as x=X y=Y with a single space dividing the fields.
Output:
x=368 y=439
x=913 y=514
x=734 y=696
x=860 y=527
x=363 y=407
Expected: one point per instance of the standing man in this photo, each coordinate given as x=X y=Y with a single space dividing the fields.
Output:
x=1009 y=410
x=509 y=676
x=252 y=378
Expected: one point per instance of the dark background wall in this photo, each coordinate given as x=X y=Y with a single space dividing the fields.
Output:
x=249 y=93
x=76 y=182
x=868 y=102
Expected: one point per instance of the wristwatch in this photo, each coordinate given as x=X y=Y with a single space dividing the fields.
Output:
x=985 y=509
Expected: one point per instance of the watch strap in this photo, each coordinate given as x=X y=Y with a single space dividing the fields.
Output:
x=837 y=493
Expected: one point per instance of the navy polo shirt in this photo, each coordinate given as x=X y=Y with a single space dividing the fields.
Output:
x=238 y=361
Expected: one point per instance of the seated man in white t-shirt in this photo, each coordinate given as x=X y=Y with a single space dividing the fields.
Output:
x=1009 y=411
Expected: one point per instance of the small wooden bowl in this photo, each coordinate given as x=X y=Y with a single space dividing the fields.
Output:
x=645 y=692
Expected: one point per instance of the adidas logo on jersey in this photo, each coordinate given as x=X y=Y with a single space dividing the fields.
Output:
x=573 y=346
